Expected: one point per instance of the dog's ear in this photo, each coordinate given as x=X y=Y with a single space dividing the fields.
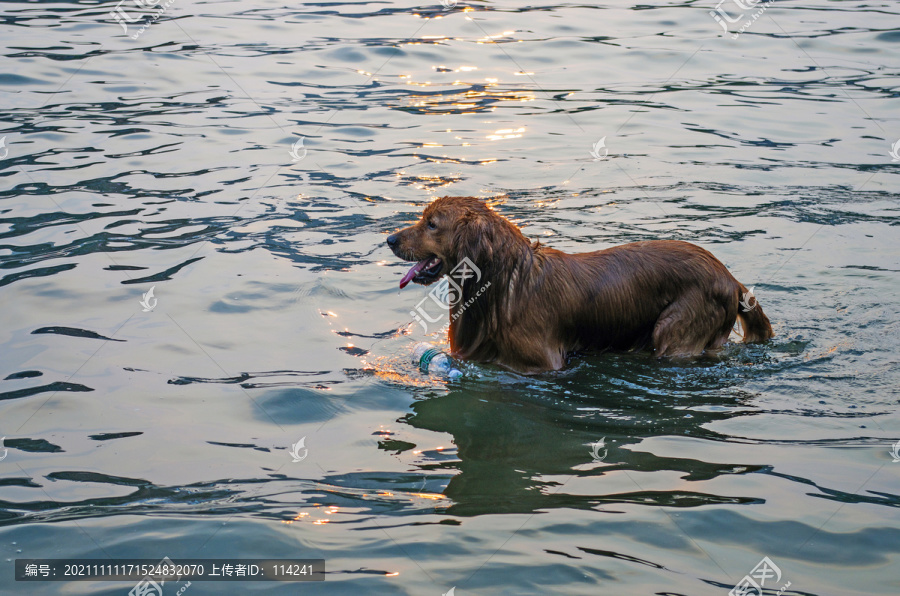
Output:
x=472 y=239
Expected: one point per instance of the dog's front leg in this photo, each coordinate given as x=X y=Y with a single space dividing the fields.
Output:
x=532 y=355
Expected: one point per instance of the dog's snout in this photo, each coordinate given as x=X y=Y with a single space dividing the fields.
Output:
x=392 y=240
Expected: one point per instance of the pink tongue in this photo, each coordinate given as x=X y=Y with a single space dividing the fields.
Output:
x=413 y=272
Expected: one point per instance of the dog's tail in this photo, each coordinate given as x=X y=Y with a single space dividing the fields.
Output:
x=754 y=321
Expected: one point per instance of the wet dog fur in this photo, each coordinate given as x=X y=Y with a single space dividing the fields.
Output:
x=668 y=296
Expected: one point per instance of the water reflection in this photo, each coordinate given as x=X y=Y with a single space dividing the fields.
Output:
x=519 y=441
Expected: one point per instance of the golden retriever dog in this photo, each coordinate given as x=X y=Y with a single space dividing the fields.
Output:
x=541 y=304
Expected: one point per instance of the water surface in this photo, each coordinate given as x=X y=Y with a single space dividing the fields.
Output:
x=173 y=162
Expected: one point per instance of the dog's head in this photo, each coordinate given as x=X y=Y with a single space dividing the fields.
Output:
x=451 y=229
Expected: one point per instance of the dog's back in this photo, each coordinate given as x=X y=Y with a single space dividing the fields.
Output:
x=672 y=296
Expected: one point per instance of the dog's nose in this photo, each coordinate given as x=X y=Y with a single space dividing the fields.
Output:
x=392 y=240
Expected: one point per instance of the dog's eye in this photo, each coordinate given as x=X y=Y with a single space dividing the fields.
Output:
x=431 y=225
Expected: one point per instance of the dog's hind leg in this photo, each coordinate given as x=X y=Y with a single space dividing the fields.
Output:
x=690 y=325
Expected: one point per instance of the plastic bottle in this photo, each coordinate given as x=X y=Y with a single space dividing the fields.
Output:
x=433 y=361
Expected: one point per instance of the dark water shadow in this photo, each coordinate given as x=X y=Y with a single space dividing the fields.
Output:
x=520 y=440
